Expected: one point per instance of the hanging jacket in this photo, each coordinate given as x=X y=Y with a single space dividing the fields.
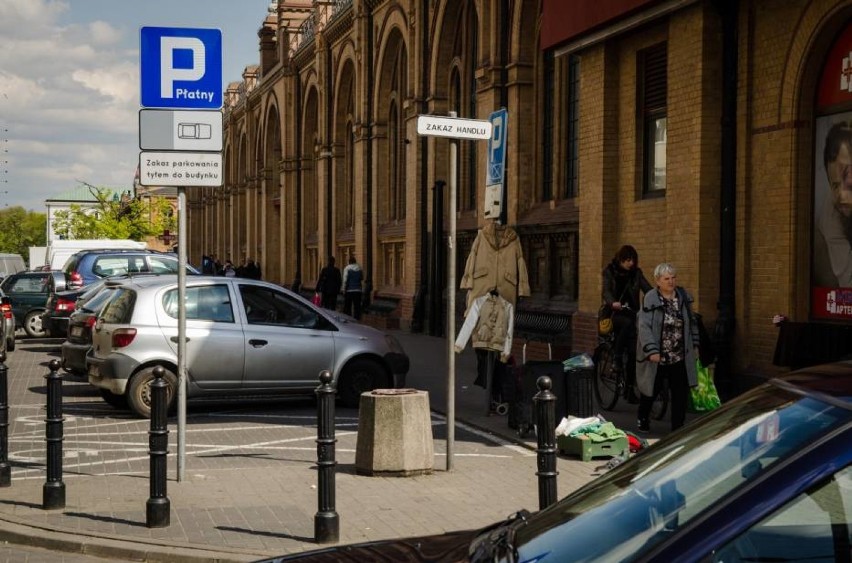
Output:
x=490 y=322
x=496 y=261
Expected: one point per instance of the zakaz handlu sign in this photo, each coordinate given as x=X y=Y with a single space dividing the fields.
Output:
x=453 y=127
x=181 y=68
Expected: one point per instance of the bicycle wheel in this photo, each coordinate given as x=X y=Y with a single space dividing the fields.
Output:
x=661 y=403
x=607 y=381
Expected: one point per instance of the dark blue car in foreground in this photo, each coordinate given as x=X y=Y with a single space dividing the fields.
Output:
x=767 y=477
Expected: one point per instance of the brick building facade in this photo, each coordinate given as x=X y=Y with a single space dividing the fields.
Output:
x=683 y=127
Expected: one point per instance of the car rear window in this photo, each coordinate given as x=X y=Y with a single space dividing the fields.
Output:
x=163 y=265
x=71 y=264
x=97 y=302
x=117 y=265
x=120 y=308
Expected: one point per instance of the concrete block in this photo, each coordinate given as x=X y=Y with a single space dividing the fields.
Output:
x=394 y=433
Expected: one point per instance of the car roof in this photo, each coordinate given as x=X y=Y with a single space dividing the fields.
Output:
x=833 y=379
x=120 y=251
x=144 y=283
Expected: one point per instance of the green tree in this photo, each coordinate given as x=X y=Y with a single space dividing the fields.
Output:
x=21 y=229
x=111 y=217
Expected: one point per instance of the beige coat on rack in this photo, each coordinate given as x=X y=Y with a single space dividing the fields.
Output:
x=496 y=260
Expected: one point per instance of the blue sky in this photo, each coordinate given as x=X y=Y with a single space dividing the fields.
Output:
x=69 y=85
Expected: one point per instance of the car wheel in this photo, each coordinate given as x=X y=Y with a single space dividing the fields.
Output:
x=359 y=377
x=33 y=326
x=113 y=400
x=10 y=344
x=139 y=391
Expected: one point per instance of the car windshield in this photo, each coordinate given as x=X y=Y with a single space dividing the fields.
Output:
x=640 y=503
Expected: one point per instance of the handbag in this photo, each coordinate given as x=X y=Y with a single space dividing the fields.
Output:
x=316 y=299
x=605 y=314
x=605 y=320
x=703 y=397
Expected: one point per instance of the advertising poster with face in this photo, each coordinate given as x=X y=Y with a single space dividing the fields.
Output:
x=831 y=266
x=832 y=233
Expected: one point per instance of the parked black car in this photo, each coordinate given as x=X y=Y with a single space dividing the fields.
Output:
x=60 y=304
x=80 y=323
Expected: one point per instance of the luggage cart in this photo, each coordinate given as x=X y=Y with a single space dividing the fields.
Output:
x=541 y=327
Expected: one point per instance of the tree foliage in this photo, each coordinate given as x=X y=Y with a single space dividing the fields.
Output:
x=21 y=229
x=113 y=217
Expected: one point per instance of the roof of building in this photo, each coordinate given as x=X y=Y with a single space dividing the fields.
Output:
x=81 y=193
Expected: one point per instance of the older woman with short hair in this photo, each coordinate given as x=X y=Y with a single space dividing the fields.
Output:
x=667 y=346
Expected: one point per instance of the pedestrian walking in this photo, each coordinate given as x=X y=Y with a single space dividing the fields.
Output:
x=352 y=278
x=329 y=284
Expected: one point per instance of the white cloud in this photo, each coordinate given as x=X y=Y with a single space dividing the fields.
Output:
x=70 y=97
x=69 y=84
x=22 y=18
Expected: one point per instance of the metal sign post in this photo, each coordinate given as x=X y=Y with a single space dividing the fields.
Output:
x=454 y=128
x=181 y=69
x=181 y=357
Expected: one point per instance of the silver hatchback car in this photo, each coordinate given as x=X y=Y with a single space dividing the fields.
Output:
x=244 y=337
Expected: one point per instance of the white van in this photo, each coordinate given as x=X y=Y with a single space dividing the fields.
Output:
x=11 y=264
x=60 y=251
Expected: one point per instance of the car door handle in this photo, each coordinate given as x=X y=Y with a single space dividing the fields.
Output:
x=258 y=343
x=175 y=339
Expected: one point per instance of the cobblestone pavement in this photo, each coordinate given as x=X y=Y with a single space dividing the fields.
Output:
x=250 y=478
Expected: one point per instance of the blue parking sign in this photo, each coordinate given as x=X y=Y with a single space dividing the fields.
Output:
x=497 y=147
x=181 y=67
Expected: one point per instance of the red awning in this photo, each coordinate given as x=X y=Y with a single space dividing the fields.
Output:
x=563 y=20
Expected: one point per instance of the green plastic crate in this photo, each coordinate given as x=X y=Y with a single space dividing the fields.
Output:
x=586 y=449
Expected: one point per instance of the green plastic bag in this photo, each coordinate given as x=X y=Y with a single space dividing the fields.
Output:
x=703 y=397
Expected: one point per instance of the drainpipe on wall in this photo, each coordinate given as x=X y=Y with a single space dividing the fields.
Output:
x=329 y=187
x=297 y=280
x=368 y=196
x=726 y=319
x=504 y=95
x=419 y=317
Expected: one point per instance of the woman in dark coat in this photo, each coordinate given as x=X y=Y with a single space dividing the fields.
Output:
x=622 y=281
x=329 y=284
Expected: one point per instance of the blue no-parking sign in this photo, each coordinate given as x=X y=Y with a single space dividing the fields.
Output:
x=181 y=67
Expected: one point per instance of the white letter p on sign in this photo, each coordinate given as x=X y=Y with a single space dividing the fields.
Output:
x=169 y=74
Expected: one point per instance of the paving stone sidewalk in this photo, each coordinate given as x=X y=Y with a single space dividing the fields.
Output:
x=250 y=487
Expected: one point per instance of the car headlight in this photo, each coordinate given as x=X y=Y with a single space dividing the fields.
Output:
x=394 y=344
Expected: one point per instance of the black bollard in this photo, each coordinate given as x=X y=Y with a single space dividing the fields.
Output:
x=54 y=489
x=5 y=468
x=158 y=507
x=326 y=520
x=545 y=410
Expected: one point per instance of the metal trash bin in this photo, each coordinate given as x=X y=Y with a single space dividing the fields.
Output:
x=579 y=391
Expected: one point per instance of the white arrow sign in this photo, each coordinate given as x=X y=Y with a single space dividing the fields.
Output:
x=453 y=127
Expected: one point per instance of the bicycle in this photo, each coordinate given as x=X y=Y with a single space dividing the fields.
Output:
x=610 y=382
